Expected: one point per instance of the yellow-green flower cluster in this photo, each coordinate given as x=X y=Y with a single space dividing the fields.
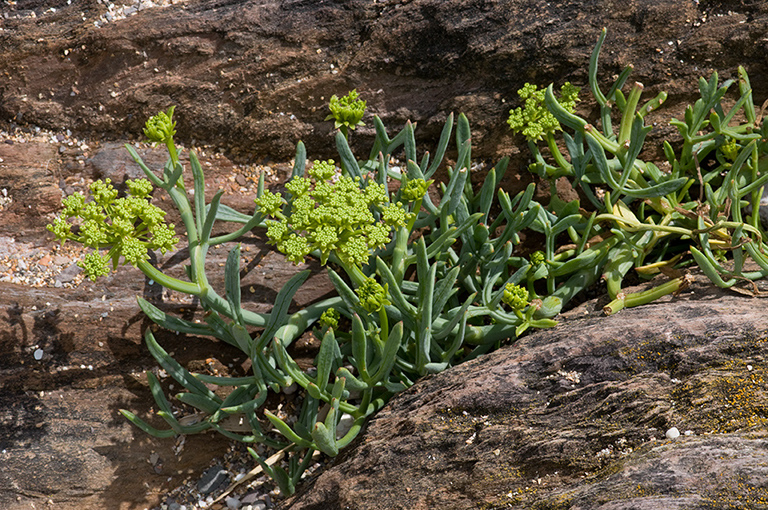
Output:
x=538 y=257
x=730 y=149
x=347 y=111
x=534 y=120
x=330 y=318
x=515 y=296
x=129 y=226
x=372 y=295
x=161 y=127
x=331 y=212
x=415 y=189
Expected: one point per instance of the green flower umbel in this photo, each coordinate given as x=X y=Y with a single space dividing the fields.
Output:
x=330 y=318
x=533 y=120
x=331 y=213
x=346 y=112
x=373 y=297
x=161 y=127
x=515 y=296
x=129 y=226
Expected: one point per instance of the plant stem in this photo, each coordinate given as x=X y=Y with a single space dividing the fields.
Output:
x=168 y=281
x=646 y=296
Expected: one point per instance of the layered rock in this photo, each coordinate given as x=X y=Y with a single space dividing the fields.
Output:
x=579 y=417
x=255 y=77
x=575 y=417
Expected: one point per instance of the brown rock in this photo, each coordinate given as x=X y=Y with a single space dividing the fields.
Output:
x=26 y=175
x=255 y=77
x=575 y=417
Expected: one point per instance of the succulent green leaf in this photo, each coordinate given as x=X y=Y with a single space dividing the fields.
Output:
x=442 y=146
x=327 y=357
x=149 y=429
x=170 y=322
x=175 y=370
x=389 y=355
x=279 y=313
x=284 y=429
x=348 y=161
x=409 y=142
x=360 y=347
x=325 y=439
x=198 y=401
x=232 y=283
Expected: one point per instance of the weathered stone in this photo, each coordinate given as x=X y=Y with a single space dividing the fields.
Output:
x=575 y=417
x=561 y=419
x=255 y=76
x=213 y=478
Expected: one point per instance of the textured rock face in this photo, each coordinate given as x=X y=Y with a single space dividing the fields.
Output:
x=569 y=418
x=255 y=76
x=576 y=417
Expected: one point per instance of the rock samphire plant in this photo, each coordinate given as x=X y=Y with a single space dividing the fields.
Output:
x=427 y=280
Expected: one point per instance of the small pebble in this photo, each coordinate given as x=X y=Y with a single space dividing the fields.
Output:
x=212 y=479
x=345 y=423
x=252 y=498
x=673 y=433
x=38 y=354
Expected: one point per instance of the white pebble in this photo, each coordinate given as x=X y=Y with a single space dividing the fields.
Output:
x=38 y=354
x=233 y=503
x=345 y=423
x=673 y=433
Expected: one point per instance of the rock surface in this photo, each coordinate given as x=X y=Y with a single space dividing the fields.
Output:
x=562 y=419
x=576 y=418
x=255 y=76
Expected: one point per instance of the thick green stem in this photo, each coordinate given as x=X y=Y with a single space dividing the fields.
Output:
x=172 y=152
x=356 y=274
x=225 y=238
x=399 y=253
x=625 y=128
x=646 y=296
x=168 y=281
x=207 y=295
x=181 y=201
x=556 y=154
x=607 y=144
x=416 y=209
